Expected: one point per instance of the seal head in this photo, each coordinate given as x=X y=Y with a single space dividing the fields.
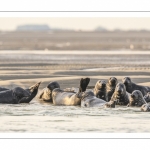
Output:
x=46 y=94
x=120 y=95
x=136 y=99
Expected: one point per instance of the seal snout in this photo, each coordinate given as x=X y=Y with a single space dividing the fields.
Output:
x=119 y=90
x=103 y=84
x=132 y=96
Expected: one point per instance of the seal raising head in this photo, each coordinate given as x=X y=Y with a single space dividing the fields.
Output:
x=100 y=89
x=120 y=95
x=136 y=99
x=110 y=87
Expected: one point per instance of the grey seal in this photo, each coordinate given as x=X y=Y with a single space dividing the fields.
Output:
x=100 y=89
x=69 y=98
x=90 y=100
x=19 y=95
x=130 y=86
x=14 y=96
x=120 y=95
x=136 y=99
x=46 y=93
x=147 y=97
x=3 y=89
x=110 y=87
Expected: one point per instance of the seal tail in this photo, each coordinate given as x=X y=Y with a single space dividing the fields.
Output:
x=83 y=84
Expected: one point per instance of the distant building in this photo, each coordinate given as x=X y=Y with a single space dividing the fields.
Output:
x=33 y=28
x=100 y=29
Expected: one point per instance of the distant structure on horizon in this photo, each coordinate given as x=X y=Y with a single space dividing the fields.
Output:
x=33 y=28
x=100 y=29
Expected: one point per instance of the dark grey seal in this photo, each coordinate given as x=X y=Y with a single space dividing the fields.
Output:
x=90 y=100
x=14 y=96
x=19 y=95
x=3 y=89
x=120 y=95
x=46 y=93
x=136 y=99
x=100 y=89
x=147 y=97
x=110 y=87
x=130 y=86
x=69 y=98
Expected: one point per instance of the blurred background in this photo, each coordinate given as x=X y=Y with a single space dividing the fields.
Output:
x=74 y=33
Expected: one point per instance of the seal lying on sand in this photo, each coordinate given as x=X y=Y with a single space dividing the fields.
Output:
x=100 y=89
x=120 y=95
x=90 y=100
x=68 y=98
x=147 y=97
x=136 y=99
x=110 y=87
x=46 y=94
x=3 y=89
x=19 y=95
x=130 y=86
x=14 y=96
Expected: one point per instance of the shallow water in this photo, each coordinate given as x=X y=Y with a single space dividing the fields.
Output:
x=44 y=117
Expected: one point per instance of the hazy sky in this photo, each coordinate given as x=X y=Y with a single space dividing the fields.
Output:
x=78 y=23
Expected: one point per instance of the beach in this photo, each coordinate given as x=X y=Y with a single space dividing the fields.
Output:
x=25 y=68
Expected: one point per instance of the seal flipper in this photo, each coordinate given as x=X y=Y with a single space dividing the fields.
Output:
x=110 y=104
x=32 y=91
x=83 y=84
